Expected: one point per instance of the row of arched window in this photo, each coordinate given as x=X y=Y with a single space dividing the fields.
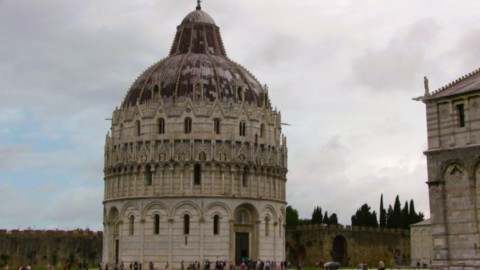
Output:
x=197 y=175
x=186 y=224
x=242 y=217
x=187 y=126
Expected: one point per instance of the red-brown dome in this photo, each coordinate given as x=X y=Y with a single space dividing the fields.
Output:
x=197 y=65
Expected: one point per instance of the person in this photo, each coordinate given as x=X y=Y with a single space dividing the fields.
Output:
x=5 y=267
x=182 y=267
x=166 y=266
x=150 y=265
x=381 y=265
x=231 y=265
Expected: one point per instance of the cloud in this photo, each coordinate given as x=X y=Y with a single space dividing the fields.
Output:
x=397 y=65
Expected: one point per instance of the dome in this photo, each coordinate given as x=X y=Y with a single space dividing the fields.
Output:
x=198 y=16
x=197 y=66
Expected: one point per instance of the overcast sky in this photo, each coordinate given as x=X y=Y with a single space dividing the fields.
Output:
x=341 y=72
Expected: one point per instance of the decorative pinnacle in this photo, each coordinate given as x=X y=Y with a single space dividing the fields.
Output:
x=199 y=7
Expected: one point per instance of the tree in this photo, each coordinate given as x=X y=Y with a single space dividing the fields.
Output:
x=402 y=218
x=394 y=215
x=326 y=218
x=363 y=217
x=291 y=216
x=334 y=219
x=317 y=216
x=383 y=214
x=405 y=219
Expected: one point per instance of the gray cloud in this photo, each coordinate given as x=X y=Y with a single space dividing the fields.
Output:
x=342 y=74
x=396 y=67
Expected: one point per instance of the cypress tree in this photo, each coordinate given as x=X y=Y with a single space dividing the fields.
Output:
x=383 y=214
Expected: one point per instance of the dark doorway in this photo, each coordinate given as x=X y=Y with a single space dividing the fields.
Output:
x=116 y=250
x=241 y=248
x=339 y=250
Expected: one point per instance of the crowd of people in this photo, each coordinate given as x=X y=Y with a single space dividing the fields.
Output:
x=196 y=265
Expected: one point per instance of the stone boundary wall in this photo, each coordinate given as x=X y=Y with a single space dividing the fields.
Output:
x=311 y=242
x=41 y=247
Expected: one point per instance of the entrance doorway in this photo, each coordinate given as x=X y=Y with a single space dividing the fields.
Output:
x=339 y=250
x=241 y=247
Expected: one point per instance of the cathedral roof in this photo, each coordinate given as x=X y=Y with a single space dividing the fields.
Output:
x=197 y=66
x=467 y=83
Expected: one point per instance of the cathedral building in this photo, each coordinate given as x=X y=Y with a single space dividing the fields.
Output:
x=195 y=161
x=453 y=161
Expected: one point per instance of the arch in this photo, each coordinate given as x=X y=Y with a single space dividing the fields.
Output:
x=216 y=125
x=161 y=126
x=130 y=206
x=239 y=94
x=156 y=224
x=187 y=125
x=267 y=225
x=245 y=175
x=138 y=128
x=216 y=224
x=197 y=174
x=242 y=128
x=216 y=206
x=249 y=209
x=446 y=164
x=339 y=251
x=120 y=133
x=269 y=209
x=186 y=224
x=148 y=175
x=186 y=206
x=156 y=207
x=156 y=93
x=113 y=215
x=131 y=224
x=202 y=156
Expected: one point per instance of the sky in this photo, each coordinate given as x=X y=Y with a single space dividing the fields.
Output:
x=343 y=74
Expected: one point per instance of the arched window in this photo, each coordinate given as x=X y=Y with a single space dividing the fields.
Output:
x=216 y=125
x=242 y=128
x=131 y=223
x=148 y=176
x=188 y=125
x=186 y=224
x=245 y=177
x=120 y=132
x=156 y=93
x=137 y=128
x=242 y=217
x=216 y=224
x=161 y=126
x=156 y=224
x=197 y=174
x=262 y=130
x=267 y=226
x=239 y=94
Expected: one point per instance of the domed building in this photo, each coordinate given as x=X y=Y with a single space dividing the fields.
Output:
x=195 y=162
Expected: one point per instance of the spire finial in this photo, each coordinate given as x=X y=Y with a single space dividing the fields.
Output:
x=199 y=7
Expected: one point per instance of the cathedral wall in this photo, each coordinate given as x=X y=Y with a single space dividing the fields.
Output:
x=453 y=203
